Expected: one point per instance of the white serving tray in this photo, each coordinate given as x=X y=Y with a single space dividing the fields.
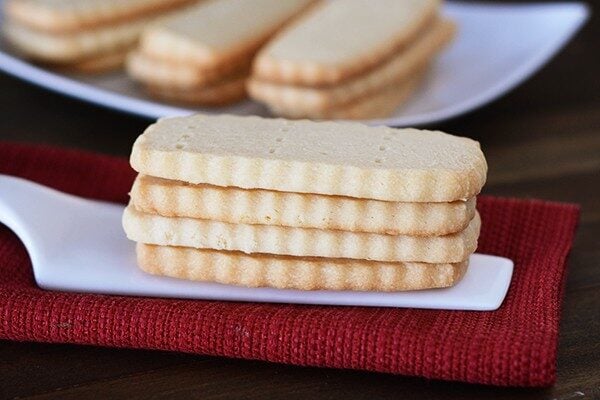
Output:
x=79 y=245
x=498 y=46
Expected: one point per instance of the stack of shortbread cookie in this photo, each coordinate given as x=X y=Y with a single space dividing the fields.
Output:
x=304 y=205
x=83 y=35
x=351 y=59
x=202 y=55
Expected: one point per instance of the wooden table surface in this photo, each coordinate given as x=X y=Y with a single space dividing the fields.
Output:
x=542 y=140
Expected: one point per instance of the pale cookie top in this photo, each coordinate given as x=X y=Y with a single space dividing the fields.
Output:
x=70 y=15
x=332 y=158
x=342 y=38
x=217 y=29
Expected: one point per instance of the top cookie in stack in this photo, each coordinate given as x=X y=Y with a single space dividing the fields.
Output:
x=352 y=59
x=203 y=55
x=87 y=36
x=304 y=205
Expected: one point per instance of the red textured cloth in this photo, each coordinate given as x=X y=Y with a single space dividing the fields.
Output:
x=515 y=345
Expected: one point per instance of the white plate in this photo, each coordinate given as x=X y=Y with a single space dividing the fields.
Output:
x=79 y=245
x=497 y=48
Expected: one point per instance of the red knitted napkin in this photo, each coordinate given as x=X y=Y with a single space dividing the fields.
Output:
x=513 y=346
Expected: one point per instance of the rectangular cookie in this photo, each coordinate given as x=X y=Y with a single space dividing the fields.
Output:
x=160 y=72
x=262 y=270
x=309 y=101
x=67 y=16
x=215 y=33
x=332 y=158
x=340 y=39
x=271 y=239
x=303 y=210
x=381 y=104
x=76 y=47
x=220 y=93
x=99 y=64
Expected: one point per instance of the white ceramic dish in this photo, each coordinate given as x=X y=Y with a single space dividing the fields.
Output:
x=78 y=245
x=498 y=47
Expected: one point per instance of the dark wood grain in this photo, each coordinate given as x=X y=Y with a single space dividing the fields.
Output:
x=542 y=140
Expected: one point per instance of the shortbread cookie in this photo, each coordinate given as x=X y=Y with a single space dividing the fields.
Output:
x=218 y=94
x=76 y=47
x=307 y=101
x=159 y=72
x=261 y=270
x=61 y=16
x=255 y=206
x=341 y=39
x=333 y=158
x=215 y=33
x=378 y=105
x=271 y=239
x=96 y=65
